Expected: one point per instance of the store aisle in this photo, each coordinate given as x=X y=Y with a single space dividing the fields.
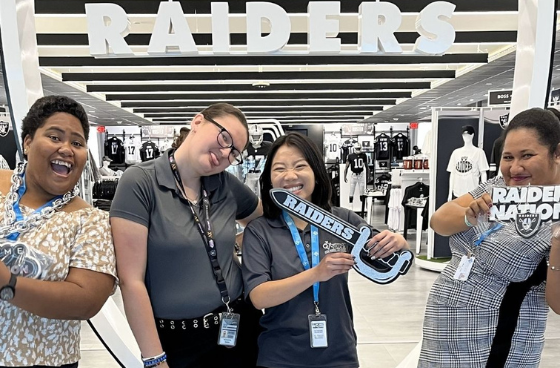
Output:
x=388 y=320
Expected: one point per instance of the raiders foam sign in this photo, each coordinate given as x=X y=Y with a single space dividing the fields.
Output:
x=381 y=271
x=528 y=206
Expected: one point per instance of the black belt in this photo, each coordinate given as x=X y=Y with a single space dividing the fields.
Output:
x=207 y=321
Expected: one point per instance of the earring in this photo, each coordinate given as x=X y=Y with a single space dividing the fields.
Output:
x=25 y=151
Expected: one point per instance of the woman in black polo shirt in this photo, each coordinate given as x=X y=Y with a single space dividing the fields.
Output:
x=173 y=222
x=298 y=273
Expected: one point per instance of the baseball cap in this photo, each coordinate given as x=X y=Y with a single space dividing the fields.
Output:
x=467 y=129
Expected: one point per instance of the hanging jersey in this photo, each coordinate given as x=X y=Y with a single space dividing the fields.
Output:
x=149 y=151
x=114 y=149
x=382 y=147
x=401 y=146
x=332 y=148
x=131 y=152
x=347 y=148
x=357 y=162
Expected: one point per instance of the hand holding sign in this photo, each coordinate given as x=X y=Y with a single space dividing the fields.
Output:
x=479 y=209
x=333 y=264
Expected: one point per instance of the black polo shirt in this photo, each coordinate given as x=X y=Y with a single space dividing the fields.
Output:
x=269 y=254
x=179 y=277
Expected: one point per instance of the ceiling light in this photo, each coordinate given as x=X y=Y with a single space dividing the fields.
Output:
x=395 y=118
x=459 y=104
x=488 y=84
x=261 y=84
x=423 y=108
x=472 y=99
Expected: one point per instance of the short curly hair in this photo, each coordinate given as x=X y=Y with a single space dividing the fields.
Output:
x=47 y=106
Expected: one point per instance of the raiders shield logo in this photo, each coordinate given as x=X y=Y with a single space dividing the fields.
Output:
x=504 y=120
x=527 y=224
x=4 y=128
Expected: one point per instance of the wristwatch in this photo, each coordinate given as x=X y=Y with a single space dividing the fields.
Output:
x=7 y=292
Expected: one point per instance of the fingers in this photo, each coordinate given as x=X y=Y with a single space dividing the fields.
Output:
x=480 y=206
x=385 y=243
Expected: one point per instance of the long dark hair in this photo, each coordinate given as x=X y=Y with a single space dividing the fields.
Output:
x=321 y=194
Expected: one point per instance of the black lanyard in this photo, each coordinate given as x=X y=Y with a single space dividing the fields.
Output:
x=207 y=235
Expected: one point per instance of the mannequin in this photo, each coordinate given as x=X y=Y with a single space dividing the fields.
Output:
x=105 y=170
x=357 y=162
x=467 y=165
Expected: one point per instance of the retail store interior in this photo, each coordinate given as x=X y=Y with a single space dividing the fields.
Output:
x=394 y=127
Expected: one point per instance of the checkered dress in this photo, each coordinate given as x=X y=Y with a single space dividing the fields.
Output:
x=461 y=316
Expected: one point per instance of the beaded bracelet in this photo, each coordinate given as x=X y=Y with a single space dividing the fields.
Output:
x=467 y=222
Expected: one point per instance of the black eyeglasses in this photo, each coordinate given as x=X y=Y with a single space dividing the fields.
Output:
x=226 y=141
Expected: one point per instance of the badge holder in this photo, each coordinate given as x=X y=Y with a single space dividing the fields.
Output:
x=318 y=337
x=229 y=328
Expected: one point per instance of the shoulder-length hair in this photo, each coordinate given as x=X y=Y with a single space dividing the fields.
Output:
x=321 y=194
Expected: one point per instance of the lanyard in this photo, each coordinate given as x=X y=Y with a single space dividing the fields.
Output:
x=487 y=233
x=17 y=210
x=301 y=251
x=206 y=235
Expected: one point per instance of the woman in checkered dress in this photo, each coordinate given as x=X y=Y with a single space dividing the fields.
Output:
x=495 y=314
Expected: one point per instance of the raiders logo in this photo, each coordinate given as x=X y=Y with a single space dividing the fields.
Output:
x=4 y=128
x=527 y=224
x=504 y=120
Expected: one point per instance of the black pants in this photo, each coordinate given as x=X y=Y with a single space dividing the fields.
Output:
x=73 y=365
x=198 y=348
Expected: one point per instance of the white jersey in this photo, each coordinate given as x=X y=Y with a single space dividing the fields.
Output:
x=132 y=151
x=465 y=166
x=332 y=148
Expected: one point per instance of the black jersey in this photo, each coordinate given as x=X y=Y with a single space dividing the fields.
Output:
x=347 y=148
x=357 y=162
x=401 y=146
x=382 y=182
x=149 y=151
x=382 y=147
x=114 y=149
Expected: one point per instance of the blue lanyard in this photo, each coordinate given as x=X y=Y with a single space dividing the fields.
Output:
x=17 y=210
x=487 y=233
x=301 y=251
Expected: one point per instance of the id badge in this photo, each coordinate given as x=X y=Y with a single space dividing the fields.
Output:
x=464 y=268
x=229 y=329
x=318 y=330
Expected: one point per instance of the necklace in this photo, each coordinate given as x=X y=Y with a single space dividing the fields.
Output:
x=10 y=224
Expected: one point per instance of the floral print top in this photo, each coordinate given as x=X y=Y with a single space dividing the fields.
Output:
x=80 y=239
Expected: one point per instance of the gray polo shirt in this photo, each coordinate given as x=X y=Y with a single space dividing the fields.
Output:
x=269 y=254
x=179 y=277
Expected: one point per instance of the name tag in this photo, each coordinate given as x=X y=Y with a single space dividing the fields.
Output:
x=318 y=330
x=229 y=329
x=464 y=269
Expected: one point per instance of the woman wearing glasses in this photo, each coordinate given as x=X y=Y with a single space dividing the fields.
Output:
x=173 y=222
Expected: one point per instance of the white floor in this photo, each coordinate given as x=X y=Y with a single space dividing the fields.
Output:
x=388 y=320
